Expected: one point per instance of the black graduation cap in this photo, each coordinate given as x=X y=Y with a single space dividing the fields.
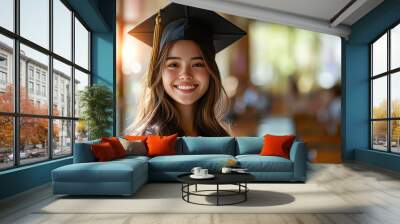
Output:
x=181 y=22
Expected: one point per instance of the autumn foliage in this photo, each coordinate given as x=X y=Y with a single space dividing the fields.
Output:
x=380 y=127
x=33 y=130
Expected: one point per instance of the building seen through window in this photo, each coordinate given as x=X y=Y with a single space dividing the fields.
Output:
x=385 y=94
x=52 y=133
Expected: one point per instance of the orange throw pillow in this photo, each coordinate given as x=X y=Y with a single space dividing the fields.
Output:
x=103 y=151
x=277 y=145
x=116 y=145
x=161 y=145
x=135 y=138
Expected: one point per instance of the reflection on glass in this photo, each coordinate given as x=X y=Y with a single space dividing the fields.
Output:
x=81 y=131
x=81 y=45
x=395 y=94
x=62 y=138
x=379 y=97
x=395 y=47
x=62 y=29
x=34 y=94
x=379 y=135
x=7 y=14
x=81 y=81
x=33 y=140
x=395 y=136
x=62 y=89
x=6 y=142
x=379 y=55
x=6 y=74
x=35 y=21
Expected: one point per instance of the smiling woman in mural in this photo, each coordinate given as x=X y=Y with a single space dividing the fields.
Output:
x=184 y=92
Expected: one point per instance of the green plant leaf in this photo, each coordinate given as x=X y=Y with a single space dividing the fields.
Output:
x=96 y=102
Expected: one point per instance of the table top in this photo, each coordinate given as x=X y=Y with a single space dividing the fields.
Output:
x=220 y=178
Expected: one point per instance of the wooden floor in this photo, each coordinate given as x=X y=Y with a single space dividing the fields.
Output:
x=378 y=189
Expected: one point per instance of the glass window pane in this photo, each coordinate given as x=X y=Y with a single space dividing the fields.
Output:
x=81 y=45
x=62 y=89
x=379 y=97
x=395 y=47
x=34 y=97
x=379 y=55
x=6 y=142
x=81 y=81
x=395 y=94
x=62 y=29
x=395 y=136
x=33 y=140
x=6 y=74
x=81 y=131
x=379 y=135
x=7 y=14
x=62 y=138
x=35 y=21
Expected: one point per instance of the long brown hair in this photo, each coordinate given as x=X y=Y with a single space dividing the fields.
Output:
x=158 y=115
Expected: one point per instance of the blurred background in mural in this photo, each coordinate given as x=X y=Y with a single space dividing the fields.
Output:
x=281 y=80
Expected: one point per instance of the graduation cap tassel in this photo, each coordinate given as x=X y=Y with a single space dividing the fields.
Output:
x=156 y=46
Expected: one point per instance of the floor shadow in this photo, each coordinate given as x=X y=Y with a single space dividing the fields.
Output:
x=255 y=198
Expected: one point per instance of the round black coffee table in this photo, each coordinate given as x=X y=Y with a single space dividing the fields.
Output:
x=238 y=179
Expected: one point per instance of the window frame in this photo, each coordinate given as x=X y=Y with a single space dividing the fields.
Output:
x=16 y=115
x=388 y=74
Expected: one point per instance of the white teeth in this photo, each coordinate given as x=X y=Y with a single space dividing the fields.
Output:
x=185 y=87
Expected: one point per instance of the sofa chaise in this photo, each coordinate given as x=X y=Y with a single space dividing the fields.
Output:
x=126 y=175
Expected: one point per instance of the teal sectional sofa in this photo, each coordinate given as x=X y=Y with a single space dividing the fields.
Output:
x=125 y=176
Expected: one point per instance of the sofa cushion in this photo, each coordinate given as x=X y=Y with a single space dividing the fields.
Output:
x=277 y=145
x=103 y=152
x=133 y=158
x=257 y=163
x=135 y=137
x=161 y=145
x=185 y=163
x=249 y=145
x=116 y=145
x=111 y=171
x=134 y=147
x=206 y=145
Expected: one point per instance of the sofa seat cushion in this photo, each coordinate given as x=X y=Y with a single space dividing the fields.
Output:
x=133 y=158
x=257 y=163
x=185 y=163
x=111 y=171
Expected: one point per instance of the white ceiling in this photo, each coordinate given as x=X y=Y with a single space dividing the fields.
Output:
x=314 y=15
x=321 y=9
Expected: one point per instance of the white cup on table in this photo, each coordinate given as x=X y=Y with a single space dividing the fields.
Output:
x=203 y=172
x=196 y=170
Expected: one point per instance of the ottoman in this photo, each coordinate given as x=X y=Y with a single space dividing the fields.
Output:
x=118 y=177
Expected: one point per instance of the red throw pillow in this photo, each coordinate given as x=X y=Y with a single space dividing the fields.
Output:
x=116 y=145
x=277 y=145
x=103 y=151
x=161 y=145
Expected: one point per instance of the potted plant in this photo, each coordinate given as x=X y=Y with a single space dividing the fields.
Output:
x=96 y=103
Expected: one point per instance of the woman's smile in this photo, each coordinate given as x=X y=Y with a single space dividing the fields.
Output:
x=186 y=88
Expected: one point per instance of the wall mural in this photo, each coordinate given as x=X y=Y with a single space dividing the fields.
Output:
x=278 y=80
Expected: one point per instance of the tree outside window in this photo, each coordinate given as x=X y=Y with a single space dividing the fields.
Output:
x=385 y=94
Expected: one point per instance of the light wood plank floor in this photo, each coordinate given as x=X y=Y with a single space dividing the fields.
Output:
x=377 y=188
